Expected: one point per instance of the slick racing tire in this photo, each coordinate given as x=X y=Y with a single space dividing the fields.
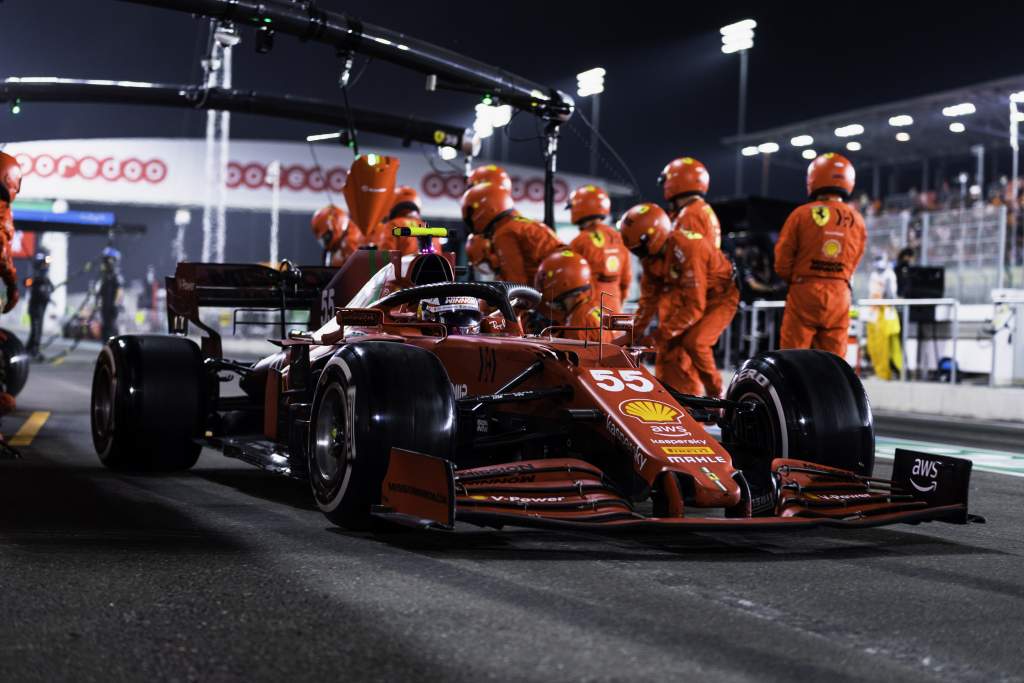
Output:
x=809 y=405
x=148 y=403
x=15 y=362
x=371 y=397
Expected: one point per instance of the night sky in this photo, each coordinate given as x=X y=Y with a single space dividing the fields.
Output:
x=670 y=91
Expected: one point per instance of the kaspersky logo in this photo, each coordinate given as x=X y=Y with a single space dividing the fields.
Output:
x=650 y=412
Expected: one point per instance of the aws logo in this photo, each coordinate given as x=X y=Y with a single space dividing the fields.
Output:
x=929 y=469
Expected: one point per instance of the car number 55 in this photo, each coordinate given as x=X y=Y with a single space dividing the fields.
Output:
x=612 y=380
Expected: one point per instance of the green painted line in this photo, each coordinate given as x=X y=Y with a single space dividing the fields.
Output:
x=1000 y=462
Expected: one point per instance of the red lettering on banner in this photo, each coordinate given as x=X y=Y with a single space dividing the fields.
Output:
x=455 y=185
x=67 y=167
x=336 y=179
x=44 y=166
x=234 y=178
x=518 y=189
x=156 y=171
x=535 y=190
x=253 y=175
x=315 y=180
x=432 y=185
x=294 y=178
x=110 y=169
x=436 y=185
x=89 y=168
x=131 y=170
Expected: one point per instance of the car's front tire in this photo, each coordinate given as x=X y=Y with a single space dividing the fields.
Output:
x=371 y=397
x=809 y=406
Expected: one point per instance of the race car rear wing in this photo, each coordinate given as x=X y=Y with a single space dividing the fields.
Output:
x=425 y=492
x=243 y=287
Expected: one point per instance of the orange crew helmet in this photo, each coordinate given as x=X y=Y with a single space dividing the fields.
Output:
x=562 y=274
x=684 y=176
x=485 y=203
x=644 y=229
x=587 y=202
x=406 y=201
x=830 y=173
x=329 y=224
x=10 y=178
x=489 y=174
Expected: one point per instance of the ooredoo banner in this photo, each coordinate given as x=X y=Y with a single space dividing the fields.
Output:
x=172 y=172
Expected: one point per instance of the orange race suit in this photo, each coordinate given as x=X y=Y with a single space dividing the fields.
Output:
x=586 y=314
x=8 y=293
x=349 y=244
x=690 y=287
x=8 y=273
x=610 y=269
x=817 y=253
x=520 y=245
x=699 y=217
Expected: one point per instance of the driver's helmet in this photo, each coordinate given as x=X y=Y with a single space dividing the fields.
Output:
x=460 y=314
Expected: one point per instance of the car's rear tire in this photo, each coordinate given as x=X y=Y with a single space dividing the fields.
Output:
x=15 y=361
x=148 y=403
x=371 y=397
x=811 y=406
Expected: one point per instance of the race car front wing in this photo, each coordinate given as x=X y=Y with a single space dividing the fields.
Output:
x=426 y=492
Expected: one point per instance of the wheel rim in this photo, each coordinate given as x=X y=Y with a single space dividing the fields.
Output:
x=329 y=446
x=765 y=425
x=103 y=390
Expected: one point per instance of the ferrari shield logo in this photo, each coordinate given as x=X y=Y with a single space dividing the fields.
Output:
x=820 y=215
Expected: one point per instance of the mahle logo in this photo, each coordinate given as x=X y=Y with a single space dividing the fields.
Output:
x=650 y=411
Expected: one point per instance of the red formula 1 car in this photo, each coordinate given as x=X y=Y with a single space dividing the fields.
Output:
x=391 y=415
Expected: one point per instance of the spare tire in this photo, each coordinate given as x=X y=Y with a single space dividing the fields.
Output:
x=149 y=403
x=807 y=405
x=371 y=397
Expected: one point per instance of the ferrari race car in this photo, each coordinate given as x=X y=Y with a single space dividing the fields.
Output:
x=393 y=416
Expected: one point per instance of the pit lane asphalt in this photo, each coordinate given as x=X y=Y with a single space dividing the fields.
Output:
x=227 y=573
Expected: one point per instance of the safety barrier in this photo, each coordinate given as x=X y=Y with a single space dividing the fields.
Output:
x=759 y=320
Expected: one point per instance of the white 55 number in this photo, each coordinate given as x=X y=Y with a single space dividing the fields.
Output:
x=632 y=379
x=326 y=306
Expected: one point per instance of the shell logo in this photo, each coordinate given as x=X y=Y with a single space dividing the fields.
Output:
x=611 y=264
x=831 y=248
x=649 y=411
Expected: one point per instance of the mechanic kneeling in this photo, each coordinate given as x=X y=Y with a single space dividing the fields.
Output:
x=563 y=280
x=688 y=283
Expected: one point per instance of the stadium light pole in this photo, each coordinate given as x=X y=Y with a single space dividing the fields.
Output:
x=590 y=83
x=739 y=37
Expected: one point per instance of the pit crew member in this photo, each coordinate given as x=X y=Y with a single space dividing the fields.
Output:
x=817 y=253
